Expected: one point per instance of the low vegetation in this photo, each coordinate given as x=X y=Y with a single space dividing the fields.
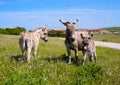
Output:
x=12 y=31
x=112 y=28
x=50 y=67
x=107 y=38
x=56 y=33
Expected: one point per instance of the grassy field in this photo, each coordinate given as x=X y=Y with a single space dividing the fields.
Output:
x=50 y=67
x=107 y=38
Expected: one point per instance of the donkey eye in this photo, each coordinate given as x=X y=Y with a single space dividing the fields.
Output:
x=83 y=37
x=89 y=37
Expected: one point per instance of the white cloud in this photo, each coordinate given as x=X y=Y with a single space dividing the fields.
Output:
x=88 y=18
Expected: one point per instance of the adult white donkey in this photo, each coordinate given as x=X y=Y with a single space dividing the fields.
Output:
x=30 y=40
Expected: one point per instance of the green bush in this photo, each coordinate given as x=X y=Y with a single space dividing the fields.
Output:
x=56 y=33
x=3 y=31
x=12 y=31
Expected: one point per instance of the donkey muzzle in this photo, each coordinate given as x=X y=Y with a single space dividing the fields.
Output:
x=72 y=39
x=46 y=40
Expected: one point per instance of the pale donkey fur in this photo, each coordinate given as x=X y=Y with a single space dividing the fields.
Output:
x=29 y=41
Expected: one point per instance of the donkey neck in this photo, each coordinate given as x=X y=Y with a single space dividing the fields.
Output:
x=37 y=33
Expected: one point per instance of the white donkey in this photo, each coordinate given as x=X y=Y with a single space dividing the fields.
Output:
x=30 y=40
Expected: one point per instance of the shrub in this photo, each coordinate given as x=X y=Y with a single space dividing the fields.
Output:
x=3 y=31
x=12 y=31
x=56 y=33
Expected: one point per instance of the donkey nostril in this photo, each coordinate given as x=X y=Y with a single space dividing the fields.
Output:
x=73 y=39
x=46 y=40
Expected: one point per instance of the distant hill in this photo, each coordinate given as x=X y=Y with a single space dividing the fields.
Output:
x=111 y=28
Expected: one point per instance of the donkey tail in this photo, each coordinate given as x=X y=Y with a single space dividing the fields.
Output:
x=22 y=41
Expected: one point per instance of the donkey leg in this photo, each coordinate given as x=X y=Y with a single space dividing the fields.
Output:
x=95 y=56
x=23 y=55
x=76 y=57
x=35 y=50
x=35 y=53
x=91 y=57
x=84 y=58
x=29 y=55
x=69 y=55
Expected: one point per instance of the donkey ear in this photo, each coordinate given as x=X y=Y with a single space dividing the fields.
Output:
x=91 y=35
x=63 y=22
x=75 y=22
x=81 y=36
x=45 y=26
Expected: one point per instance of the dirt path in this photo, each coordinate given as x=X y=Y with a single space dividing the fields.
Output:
x=106 y=44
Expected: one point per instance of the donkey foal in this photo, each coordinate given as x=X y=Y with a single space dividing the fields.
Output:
x=89 y=49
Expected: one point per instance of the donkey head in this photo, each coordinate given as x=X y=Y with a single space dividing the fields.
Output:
x=70 y=29
x=44 y=33
x=86 y=38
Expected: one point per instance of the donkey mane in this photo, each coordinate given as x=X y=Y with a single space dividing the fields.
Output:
x=37 y=29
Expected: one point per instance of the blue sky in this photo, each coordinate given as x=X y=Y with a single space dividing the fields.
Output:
x=35 y=13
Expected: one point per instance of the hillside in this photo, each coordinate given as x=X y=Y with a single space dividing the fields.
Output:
x=112 y=28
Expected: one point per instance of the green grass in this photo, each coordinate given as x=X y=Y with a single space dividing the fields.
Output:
x=50 y=67
x=107 y=38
